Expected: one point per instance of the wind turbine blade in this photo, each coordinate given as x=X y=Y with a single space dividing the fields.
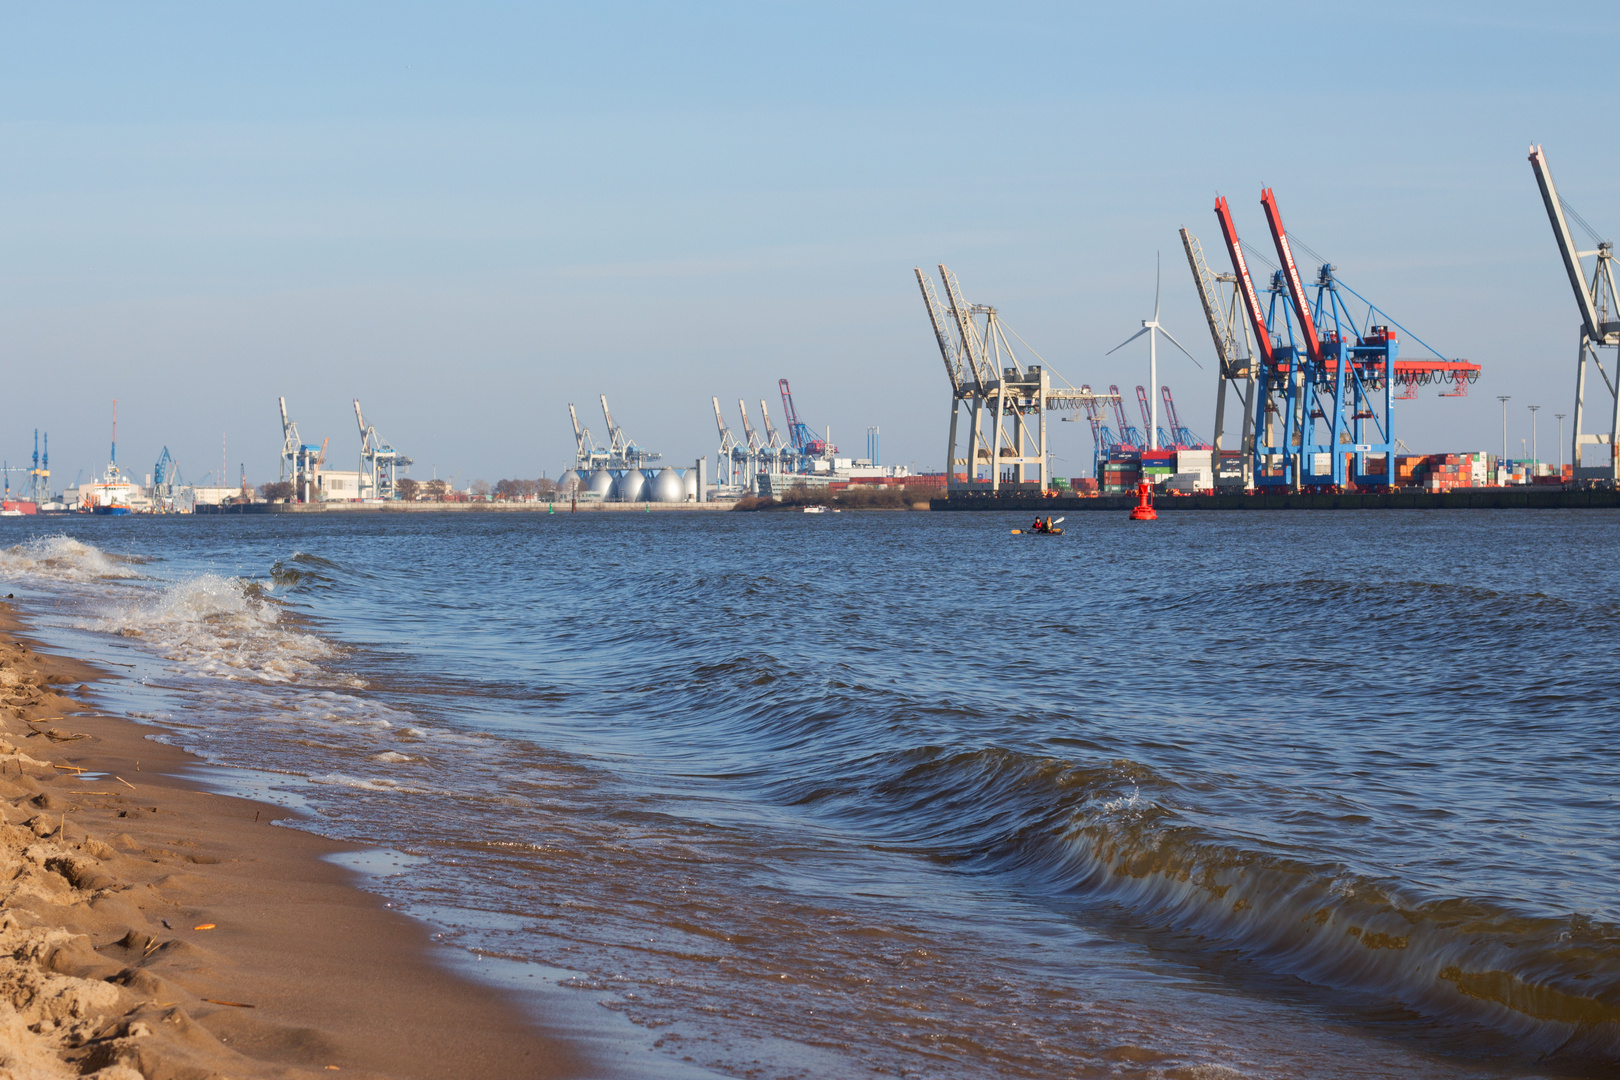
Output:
x=1155 y=286
x=1127 y=341
x=1178 y=345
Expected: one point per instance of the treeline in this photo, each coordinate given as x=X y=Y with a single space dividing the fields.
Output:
x=521 y=489
x=854 y=497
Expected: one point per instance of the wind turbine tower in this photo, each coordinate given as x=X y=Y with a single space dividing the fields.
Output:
x=1152 y=328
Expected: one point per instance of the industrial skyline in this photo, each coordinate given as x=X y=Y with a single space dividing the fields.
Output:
x=468 y=221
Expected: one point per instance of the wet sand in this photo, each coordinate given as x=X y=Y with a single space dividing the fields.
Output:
x=149 y=928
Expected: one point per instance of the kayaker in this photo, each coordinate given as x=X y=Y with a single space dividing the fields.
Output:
x=1048 y=526
x=1039 y=526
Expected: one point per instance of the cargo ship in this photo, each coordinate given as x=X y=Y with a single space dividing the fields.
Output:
x=111 y=494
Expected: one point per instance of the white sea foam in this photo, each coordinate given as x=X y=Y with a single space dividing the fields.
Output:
x=61 y=558
x=217 y=626
x=361 y=783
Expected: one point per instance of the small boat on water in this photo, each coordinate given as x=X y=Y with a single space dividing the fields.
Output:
x=815 y=509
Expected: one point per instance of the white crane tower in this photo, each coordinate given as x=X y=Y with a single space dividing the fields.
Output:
x=1007 y=401
x=378 y=461
x=588 y=456
x=623 y=453
x=731 y=458
x=757 y=449
x=300 y=461
x=1600 y=321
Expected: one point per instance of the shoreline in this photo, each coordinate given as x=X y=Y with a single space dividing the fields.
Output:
x=152 y=928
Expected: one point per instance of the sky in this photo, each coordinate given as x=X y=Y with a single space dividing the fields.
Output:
x=470 y=215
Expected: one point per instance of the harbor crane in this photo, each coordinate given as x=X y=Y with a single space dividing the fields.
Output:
x=588 y=454
x=1006 y=400
x=732 y=457
x=379 y=461
x=1325 y=377
x=1599 y=305
x=1220 y=296
x=166 y=480
x=299 y=460
x=759 y=452
x=806 y=444
x=1183 y=436
x=39 y=477
x=1128 y=435
x=775 y=444
x=1163 y=439
x=623 y=453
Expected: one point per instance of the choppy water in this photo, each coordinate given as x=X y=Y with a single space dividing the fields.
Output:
x=1284 y=795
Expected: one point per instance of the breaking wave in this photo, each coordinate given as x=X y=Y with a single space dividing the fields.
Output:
x=1111 y=834
x=221 y=626
x=62 y=558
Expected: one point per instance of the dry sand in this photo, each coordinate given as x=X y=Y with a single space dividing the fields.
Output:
x=152 y=929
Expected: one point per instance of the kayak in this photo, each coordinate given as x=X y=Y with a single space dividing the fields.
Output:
x=1054 y=531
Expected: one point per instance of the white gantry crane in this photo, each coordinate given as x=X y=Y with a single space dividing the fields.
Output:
x=757 y=448
x=379 y=462
x=1007 y=401
x=300 y=461
x=588 y=456
x=623 y=453
x=730 y=459
x=1600 y=321
x=1219 y=294
x=777 y=448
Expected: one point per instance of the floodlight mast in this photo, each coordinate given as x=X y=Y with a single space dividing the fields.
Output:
x=1600 y=326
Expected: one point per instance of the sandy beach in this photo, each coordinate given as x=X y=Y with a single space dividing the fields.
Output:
x=149 y=928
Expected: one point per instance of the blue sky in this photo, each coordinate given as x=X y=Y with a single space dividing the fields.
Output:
x=469 y=215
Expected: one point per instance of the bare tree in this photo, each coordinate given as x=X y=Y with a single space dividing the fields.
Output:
x=409 y=490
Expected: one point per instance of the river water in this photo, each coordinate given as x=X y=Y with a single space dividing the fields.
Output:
x=901 y=794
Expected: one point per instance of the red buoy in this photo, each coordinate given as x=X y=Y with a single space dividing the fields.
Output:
x=1143 y=510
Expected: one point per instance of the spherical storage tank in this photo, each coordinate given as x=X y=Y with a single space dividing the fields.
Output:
x=600 y=484
x=569 y=481
x=689 y=485
x=668 y=487
x=631 y=487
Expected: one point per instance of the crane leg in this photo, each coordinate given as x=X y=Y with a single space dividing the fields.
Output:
x=1580 y=403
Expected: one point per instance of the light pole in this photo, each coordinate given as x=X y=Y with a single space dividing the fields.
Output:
x=1560 y=442
x=1503 y=398
x=1535 y=455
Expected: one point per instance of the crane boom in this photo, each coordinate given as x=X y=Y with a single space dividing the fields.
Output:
x=1607 y=333
x=1296 y=289
x=1240 y=267
x=1119 y=413
x=719 y=421
x=361 y=420
x=1170 y=413
x=1220 y=329
x=942 y=334
x=971 y=342
x=770 y=431
x=748 y=429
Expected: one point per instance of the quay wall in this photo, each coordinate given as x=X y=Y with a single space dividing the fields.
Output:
x=1527 y=497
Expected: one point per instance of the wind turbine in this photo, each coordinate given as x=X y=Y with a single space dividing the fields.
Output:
x=1152 y=329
